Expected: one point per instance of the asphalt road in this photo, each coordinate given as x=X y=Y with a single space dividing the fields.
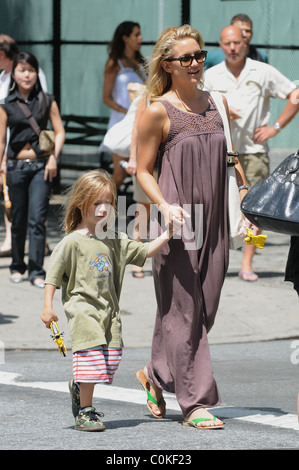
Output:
x=258 y=382
x=255 y=355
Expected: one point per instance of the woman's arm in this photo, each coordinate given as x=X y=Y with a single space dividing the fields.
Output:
x=132 y=163
x=3 y=130
x=152 y=130
x=111 y=70
x=55 y=119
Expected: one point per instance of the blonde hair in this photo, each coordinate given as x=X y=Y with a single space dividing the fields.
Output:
x=159 y=81
x=83 y=193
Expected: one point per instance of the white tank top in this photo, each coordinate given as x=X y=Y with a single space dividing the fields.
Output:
x=120 y=92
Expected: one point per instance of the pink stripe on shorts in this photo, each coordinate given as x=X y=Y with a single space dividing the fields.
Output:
x=96 y=365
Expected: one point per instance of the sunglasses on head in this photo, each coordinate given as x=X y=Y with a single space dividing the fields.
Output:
x=187 y=60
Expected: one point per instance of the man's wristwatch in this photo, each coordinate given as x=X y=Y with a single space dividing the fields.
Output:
x=277 y=126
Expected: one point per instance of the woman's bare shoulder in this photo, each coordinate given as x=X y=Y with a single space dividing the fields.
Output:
x=112 y=67
x=156 y=110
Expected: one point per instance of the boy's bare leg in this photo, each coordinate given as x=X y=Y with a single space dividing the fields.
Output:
x=86 y=394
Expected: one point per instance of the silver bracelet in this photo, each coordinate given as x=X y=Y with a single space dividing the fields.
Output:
x=243 y=186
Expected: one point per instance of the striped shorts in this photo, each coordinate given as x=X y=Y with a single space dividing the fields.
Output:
x=96 y=365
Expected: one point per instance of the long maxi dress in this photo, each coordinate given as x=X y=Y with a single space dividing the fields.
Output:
x=188 y=282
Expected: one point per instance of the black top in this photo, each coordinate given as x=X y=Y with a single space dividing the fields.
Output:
x=292 y=267
x=21 y=131
x=255 y=54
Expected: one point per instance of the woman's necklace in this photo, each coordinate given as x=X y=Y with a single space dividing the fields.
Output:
x=187 y=108
x=25 y=96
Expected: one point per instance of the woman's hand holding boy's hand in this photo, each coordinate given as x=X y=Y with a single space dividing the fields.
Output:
x=174 y=219
x=174 y=216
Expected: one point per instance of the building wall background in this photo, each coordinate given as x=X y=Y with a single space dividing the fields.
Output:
x=87 y=26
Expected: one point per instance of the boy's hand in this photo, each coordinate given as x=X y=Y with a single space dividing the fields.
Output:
x=48 y=316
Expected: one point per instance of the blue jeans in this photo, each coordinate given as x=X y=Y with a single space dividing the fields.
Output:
x=29 y=195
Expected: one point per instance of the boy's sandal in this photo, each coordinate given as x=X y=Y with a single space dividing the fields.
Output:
x=193 y=423
x=146 y=385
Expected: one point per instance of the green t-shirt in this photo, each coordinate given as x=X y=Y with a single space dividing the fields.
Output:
x=90 y=272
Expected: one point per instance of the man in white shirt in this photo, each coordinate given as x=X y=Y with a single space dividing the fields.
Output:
x=8 y=50
x=244 y=22
x=248 y=86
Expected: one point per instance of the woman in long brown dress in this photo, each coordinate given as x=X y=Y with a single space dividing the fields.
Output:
x=185 y=127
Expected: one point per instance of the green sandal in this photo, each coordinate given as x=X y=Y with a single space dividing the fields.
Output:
x=146 y=385
x=193 y=423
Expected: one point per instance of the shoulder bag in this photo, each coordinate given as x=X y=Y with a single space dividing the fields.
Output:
x=46 y=137
x=118 y=138
x=273 y=203
x=235 y=217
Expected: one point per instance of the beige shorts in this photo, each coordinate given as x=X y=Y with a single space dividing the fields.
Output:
x=138 y=193
x=255 y=166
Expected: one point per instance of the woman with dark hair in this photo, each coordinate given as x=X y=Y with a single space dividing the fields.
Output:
x=29 y=169
x=124 y=66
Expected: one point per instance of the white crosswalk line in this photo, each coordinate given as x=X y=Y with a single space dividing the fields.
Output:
x=130 y=395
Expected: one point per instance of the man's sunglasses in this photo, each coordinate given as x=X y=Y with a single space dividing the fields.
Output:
x=188 y=59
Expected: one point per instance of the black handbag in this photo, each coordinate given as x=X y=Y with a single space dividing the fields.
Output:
x=273 y=203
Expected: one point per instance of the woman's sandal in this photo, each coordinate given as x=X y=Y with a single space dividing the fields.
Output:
x=193 y=423
x=146 y=385
x=138 y=274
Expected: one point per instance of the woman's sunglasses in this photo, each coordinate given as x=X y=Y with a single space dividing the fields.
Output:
x=188 y=59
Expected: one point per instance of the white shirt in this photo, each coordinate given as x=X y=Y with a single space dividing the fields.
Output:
x=4 y=85
x=250 y=94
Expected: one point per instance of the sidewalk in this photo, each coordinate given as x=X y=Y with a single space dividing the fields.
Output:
x=265 y=310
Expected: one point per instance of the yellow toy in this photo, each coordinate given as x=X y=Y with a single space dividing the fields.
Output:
x=58 y=338
x=257 y=240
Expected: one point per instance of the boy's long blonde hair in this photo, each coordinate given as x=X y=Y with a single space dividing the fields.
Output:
x=83 y=193
x=159 y=81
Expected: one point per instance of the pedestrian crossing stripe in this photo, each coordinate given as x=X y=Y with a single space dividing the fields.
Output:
x=110 y=392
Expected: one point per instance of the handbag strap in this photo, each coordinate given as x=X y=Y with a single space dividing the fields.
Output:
x=29 y=116
x=217 y=97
